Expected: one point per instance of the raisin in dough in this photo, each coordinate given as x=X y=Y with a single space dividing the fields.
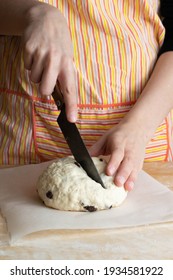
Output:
x=64 y=185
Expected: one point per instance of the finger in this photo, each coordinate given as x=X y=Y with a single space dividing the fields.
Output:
x=37 y=69
x=66 y=79
x=130 y=182
x=114 y=161
x=28 y=57
x=49 y=75
x=123 y=171
x=98 y=147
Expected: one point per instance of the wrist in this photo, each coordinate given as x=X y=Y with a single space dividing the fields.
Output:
x=33 y=11
x=41 y=13
x=140 y=120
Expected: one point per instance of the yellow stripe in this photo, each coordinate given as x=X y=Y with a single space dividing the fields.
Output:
x=115 y=72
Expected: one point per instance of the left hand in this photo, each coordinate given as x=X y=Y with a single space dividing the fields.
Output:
x=125 y=143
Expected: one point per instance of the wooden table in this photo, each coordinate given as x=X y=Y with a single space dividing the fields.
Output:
x=145 y=242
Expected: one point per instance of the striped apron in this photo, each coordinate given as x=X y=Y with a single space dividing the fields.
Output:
x=115 y=48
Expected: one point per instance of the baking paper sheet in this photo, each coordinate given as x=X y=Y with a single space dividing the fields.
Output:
x=150 y=202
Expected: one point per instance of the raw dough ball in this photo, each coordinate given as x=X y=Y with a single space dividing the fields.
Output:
x=64 y=185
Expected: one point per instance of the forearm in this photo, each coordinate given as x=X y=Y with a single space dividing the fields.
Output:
x=156 y=100
x=13 y=15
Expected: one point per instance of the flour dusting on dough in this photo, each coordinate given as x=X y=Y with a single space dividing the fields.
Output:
x=64 y=185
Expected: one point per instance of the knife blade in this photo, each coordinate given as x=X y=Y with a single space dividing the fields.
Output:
x=75 y=143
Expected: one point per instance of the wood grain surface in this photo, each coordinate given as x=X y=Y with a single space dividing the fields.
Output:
x=146 y=242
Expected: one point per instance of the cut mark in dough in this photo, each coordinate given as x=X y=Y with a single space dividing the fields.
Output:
x=64 y=185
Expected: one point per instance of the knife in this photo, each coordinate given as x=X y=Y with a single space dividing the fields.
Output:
x=75 y=142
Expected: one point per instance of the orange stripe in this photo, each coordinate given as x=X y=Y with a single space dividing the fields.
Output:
x=109 y=82
x=105 y=105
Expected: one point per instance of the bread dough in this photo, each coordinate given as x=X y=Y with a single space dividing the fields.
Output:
x=64 y=185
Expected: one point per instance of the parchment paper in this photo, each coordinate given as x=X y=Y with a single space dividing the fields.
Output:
x=150 y=202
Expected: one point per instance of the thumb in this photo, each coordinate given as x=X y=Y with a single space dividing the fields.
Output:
x=98 y=148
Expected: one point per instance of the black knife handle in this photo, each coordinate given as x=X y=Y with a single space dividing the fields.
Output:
x=58 y=98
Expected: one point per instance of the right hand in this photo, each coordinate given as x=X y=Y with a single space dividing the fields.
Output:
x=48 y=54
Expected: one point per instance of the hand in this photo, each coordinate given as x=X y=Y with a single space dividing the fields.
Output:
x=48 y=54
x=125 y=144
